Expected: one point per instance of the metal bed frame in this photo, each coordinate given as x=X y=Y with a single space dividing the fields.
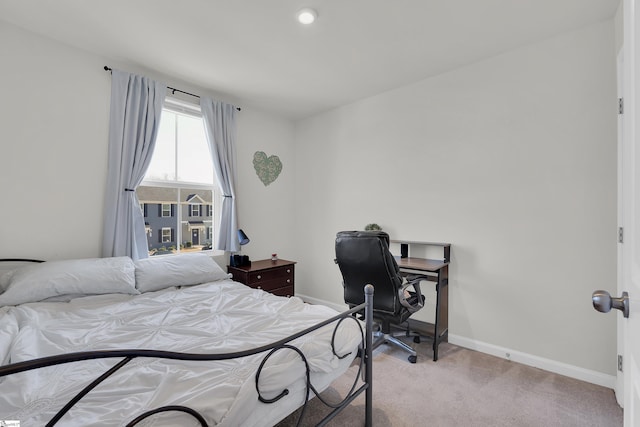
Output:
x=365 y=368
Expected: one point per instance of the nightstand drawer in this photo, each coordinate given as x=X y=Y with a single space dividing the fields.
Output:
x=287 y=291
x=269 y=285
x=281 y=273
x=277 y=277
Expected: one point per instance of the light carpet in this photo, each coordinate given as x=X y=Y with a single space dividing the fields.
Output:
x=467 y=388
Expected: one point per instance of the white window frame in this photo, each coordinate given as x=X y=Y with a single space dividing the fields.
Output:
x=182 y=107
x=164 y=236
x=166 y=213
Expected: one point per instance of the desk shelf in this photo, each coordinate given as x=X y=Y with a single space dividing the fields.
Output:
x=439 y=273
x=405 y=244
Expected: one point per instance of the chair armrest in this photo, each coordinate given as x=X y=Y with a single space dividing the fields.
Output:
x=412 y=281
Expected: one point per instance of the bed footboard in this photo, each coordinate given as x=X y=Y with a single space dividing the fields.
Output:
x=365 y=368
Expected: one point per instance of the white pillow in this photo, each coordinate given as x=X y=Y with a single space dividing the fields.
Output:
x=78 y=276
x=6 y=271
x=5 y=278
x=163 y=271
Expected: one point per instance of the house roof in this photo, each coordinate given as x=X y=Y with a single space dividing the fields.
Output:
x=148 y=194
x=195 y=198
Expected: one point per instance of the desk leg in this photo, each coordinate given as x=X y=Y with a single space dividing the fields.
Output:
x=441 y=327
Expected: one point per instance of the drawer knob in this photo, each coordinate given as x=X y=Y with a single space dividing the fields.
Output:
x=259 y=287
x=288 y=270
x=288 y=280
x=259 y=277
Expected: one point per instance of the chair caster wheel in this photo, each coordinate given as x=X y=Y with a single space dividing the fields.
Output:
x=416 y=340
x=413 y=359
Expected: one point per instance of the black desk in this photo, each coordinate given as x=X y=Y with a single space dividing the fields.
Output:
x=438 y=272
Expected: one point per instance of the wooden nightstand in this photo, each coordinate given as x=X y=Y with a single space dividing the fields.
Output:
x=276 y=277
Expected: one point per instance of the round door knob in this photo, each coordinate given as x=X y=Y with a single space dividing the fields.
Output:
x=603 y=302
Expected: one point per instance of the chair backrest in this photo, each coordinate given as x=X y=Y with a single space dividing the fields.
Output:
x=364 y=258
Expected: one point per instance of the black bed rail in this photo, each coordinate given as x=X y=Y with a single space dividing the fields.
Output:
x=129 y=354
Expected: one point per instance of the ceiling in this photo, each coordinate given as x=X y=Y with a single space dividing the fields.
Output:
x=256 y=53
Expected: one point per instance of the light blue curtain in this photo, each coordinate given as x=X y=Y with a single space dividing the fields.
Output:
x=136 y=105
x=220 y=127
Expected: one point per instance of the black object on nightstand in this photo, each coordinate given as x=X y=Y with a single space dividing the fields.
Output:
x=276 y=277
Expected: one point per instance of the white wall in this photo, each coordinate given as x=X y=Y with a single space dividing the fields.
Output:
x=54 y=117
x=267 y=213
x=53 y=148
x=513 y=161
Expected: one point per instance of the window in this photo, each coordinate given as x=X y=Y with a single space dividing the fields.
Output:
x=166 y=235
x=178 y=183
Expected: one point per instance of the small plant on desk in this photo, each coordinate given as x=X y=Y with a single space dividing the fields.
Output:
x=372 y=227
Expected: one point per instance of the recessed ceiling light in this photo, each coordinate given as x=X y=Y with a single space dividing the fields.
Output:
x=307 y=15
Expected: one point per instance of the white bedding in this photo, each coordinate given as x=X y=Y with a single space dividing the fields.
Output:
x=216 y=317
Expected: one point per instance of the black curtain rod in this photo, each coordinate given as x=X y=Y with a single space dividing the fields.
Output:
x=172 y=89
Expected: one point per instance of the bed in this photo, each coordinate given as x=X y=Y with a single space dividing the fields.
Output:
x=166 y=341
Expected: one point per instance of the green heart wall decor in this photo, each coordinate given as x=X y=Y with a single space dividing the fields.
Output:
x=267 y=168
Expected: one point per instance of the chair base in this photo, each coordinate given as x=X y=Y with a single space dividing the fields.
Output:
x=382 y=338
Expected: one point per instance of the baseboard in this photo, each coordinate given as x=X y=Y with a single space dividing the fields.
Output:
x=550 y=365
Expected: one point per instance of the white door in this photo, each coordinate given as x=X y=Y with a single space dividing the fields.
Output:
x=631 y=213
x=629 y=219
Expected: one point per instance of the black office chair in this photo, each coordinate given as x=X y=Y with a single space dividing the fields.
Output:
x=364 y=258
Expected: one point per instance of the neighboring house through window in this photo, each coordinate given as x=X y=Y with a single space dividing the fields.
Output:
x=178 y=191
